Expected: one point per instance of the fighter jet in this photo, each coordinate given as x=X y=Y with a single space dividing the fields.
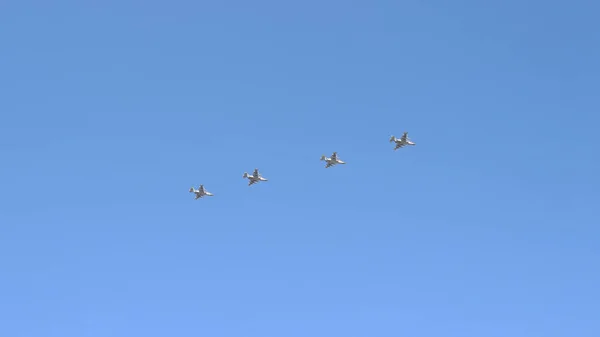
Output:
x=254 y=178
x=402 y=141
x=200 y=192
x=332 y=161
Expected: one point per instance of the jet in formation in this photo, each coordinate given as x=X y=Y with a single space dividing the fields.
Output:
x=402 y=141
x=334 y=160
x=254 y=178
x=200 y=192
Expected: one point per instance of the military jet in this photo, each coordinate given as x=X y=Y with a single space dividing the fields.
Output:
x=200 y=192
x=402 y=141
x=332 y=161
x=254 y=178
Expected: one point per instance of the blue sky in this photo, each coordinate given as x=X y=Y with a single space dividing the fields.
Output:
x=111 y=110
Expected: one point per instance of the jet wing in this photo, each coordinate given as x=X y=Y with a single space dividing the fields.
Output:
x=404 y=136
x=256 y=174
x=201 y=189
x=334 y=156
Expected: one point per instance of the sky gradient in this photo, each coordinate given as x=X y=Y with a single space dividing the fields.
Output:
x=110 y=111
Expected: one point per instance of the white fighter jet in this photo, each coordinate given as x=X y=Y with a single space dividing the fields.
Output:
x=402 y=141
x=200 y=192
x=254 y=178
x=332 y=161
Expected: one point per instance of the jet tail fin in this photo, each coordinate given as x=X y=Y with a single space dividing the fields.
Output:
x=245 y=175
x=191 y=189
x=392 y=138
x=323 y=157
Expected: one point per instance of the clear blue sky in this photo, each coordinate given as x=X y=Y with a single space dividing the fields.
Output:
x=112 y=110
